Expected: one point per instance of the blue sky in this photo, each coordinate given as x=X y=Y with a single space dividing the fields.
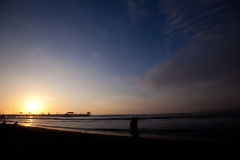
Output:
x=128 y=56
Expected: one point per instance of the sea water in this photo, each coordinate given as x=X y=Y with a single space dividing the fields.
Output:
x=165 y=126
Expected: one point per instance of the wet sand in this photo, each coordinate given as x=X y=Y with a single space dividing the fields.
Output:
x=20 y=141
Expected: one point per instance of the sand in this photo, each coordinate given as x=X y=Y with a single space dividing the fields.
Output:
x=20 y=141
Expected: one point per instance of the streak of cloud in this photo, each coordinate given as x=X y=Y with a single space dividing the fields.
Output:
x=136 y=9
x=210 y=52
x=187 y=19
x=206 y=60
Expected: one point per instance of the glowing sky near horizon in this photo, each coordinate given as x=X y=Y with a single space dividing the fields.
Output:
x=115 y=57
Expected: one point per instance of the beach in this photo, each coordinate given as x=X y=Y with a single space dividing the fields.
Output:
x=17 y=141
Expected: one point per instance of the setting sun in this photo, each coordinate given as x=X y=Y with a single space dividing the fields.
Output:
x=34 y=106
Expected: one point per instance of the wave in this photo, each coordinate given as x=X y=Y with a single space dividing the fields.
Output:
x=86 y=129
x=176 y=131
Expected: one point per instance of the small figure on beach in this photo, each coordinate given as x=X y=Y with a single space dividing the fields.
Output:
x=16 y=123
x=134 y=127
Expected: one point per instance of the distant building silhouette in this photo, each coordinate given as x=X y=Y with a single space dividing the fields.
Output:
x=69 y=113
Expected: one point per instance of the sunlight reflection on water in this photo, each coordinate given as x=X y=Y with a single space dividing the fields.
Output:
x=27 y=122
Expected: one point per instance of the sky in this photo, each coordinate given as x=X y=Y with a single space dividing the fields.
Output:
x=120 y=56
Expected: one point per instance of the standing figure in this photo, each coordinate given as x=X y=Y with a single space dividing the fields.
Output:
x=16 y=123
x=134 y=127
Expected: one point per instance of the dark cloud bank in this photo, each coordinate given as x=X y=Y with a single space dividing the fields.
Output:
x=207 y=61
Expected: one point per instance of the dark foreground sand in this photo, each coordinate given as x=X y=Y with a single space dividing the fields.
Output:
x=29 y=142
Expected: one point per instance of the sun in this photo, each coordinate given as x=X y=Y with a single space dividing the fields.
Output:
x=34 y=106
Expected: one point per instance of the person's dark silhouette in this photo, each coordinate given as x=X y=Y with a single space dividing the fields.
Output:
x=16 y=123
x=134 y=127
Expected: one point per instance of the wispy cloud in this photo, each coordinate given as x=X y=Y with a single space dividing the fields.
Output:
x=136 y=9
x=209 y=52
x=206 y=60
x=185 y=19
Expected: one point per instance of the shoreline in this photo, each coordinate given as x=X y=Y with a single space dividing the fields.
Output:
x=60 y=132
x=42 y=141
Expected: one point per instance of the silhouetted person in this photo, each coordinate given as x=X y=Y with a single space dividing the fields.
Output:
x=134 y=127
x=16 y=123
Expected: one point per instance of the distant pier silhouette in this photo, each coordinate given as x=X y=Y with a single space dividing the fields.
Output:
x=68 y=114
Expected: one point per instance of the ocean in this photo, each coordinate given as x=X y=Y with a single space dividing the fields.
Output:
x=220 y=127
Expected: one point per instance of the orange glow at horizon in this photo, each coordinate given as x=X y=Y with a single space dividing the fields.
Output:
x=34 y=106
